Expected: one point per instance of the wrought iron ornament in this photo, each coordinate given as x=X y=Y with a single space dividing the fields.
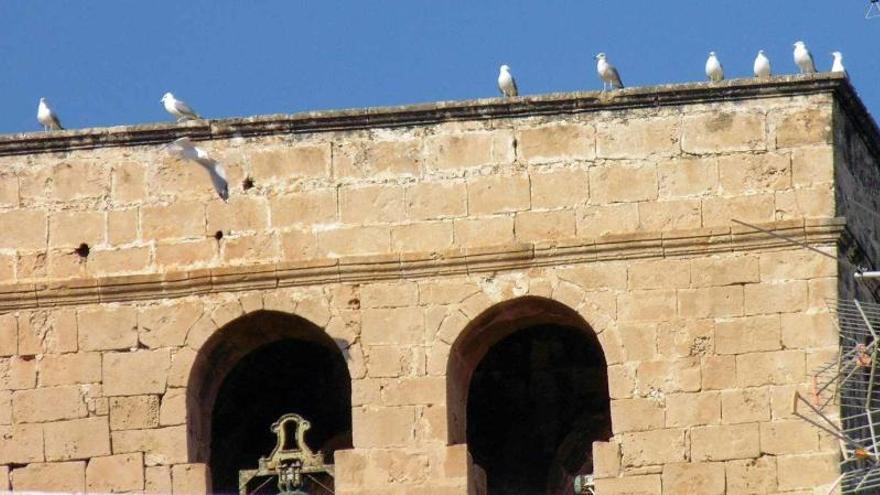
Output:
x=287 y=463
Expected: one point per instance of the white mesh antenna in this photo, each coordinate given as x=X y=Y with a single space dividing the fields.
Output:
x=873 y=9
x=851 y=387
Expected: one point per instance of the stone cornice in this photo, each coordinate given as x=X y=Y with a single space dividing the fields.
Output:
x=432 y=113
x=39 y=294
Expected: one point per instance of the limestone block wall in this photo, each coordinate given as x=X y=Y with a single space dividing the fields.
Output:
x=392 y=239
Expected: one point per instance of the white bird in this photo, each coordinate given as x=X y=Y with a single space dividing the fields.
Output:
x=607 y=73
x=837 y=66
x=183 y=148
x=714 y=70
x=762 y=66
x=178 y=108
x=506 y=83
x=47 y=117
x=803 y=59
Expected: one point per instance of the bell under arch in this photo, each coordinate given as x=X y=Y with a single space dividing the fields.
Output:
x=527 y=390
x=250 y=373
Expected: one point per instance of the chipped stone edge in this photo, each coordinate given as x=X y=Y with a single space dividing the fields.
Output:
x=433 y=113
x=174 y=284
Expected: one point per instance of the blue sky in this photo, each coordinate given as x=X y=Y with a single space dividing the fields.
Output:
x=104 y=63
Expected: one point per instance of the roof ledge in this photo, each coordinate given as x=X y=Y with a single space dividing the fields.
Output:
x=432 y=113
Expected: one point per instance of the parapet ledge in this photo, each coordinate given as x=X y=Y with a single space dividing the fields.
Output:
x=432 y=113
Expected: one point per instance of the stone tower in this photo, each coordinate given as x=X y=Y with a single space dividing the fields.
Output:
x=461 y=297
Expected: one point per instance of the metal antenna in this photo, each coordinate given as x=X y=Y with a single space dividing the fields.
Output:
x=873 y=9
x=845 y=397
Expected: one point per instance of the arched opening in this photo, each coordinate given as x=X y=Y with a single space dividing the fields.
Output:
x=528 y=391
x=250 y=373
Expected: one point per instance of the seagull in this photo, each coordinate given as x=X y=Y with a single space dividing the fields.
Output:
x=803 y=59
x=178 y=108
x=837 y=66
x=47 y=117
x=506 y=83
x=714 y=70
x=184 y=149
x=762 y=66
x=607 y=73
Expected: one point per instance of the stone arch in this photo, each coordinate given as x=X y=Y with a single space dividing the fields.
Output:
x=236 y=344
x=503 y=330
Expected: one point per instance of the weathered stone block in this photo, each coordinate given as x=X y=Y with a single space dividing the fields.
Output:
x=304 y=208
x=687 y=176
x=597 y=221
x=724 y=442
x=531 y=226
x=25 y=229
x=680 y=375
x=17 y=373
x=434 y=200
x=415 y=390
x=107 y=328
x=637 y=137
x=483 y=232
x=21 y=444
x=623 y=183
x=770 y=368
x=180 y=219
x=116 y=261
x=129 y=180
x=646 y=448
x=718 y=271
x=50 y=477
x=723 y=131
x=382 y=427
x=397 y=326
x=135 y=373
x=77 y=439
x=556 y=142
x=745 y=405
x=647 y=305
x=710 y=302
x=559 y=188
x=116 y=473
x=48 y=404
x=371 y=204
x=748 y=334
x=702 y=478
x=793 y=436
x=636 y=415
x=300 y=160
x=663 y=216
x=807 y=471
x=685 y=410
x=189 y=479
x=806 y=126
x=472 y=149
x=159 y=445
x=422 y=237
x=757 y=208
x=781 y=297
x=354 y=240
x=750 y=173
x=751 y=475
x=490 y=194
x=261 y=247
x=122 y=226
x=134 y=412
x=173 y=409
x=71 y=228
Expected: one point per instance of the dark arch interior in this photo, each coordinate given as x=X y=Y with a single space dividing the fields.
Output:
x=536 y=402
x=286 y=376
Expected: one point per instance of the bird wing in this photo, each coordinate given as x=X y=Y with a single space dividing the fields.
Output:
x=216 y=172
x=53 y=118
x=182 y=148
x=185 y=109
x=811 y=66
x=615 y=77
x=513 y=83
